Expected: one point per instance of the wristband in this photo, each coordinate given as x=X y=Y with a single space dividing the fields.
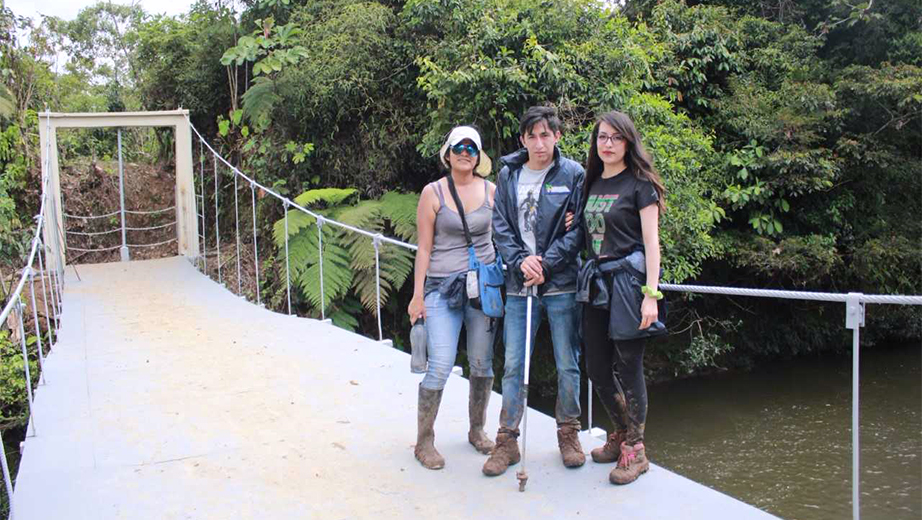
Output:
x=655 y=294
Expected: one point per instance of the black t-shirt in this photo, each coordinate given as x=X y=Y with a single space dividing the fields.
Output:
x=613 y=214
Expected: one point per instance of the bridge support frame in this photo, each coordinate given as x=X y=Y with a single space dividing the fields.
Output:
x=186 y=220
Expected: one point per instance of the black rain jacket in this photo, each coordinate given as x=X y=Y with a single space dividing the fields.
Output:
x=559 y=249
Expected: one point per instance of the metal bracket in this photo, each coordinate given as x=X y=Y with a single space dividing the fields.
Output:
x=387 y=343
x=854 y=311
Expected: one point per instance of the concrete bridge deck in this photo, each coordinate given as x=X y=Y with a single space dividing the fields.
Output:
x=169 y=397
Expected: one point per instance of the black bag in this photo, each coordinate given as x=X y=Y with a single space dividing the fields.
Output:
x=624 y=311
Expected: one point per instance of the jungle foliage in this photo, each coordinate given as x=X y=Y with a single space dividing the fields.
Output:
x=788 y=134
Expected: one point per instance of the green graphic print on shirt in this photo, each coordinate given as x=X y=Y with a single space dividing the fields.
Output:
x=596 y=207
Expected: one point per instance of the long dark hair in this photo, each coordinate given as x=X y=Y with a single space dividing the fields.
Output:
x=636 y=157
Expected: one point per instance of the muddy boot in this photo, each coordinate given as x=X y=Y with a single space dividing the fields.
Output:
x=505 y=453
x=632 y=464
x=425 y=451
x=571 y=451
x=481 y=388
x=611 y=450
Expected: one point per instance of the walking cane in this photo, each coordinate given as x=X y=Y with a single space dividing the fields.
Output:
x=521 y=474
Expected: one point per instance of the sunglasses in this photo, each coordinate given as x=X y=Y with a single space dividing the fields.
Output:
x=460 y=148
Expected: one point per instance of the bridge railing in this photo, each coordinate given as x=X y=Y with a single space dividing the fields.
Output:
x=854 y=302
x=15 y=312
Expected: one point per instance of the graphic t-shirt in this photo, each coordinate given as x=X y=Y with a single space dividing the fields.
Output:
x=613 y=214
x=528 y=192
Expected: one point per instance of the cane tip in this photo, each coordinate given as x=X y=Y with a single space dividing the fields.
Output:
x=523 y=479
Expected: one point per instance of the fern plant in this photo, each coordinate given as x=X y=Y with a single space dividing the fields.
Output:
x=348 y=258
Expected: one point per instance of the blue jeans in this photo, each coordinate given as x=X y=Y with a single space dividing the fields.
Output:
x=563 y=314
x=443 y=327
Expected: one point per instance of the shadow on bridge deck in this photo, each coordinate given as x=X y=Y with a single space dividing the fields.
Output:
x=169 y=397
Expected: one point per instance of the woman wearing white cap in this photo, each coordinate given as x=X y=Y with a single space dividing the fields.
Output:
x=439 y=294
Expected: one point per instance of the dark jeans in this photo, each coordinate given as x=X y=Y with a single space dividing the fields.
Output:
x=606 y=360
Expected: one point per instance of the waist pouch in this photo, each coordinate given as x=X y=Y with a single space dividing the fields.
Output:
x=615 y=285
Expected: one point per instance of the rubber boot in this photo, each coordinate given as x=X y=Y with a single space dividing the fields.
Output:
x=426 y=454
x=571 y=451
x=505 y=453
x=632 y=464
x=481 y=388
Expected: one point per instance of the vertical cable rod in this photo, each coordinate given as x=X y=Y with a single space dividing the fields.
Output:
x=320 y=262
x=255 y=249
x=217 y=233
x=201 y=162
x=237 y=231
x=376 y=241
x=123 y=251
x=41 y=265
x=38 y=329
x=287 y=262
x=25 y=364
x=7 y=480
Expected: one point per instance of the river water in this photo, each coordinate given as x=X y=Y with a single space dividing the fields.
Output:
x=780 y=438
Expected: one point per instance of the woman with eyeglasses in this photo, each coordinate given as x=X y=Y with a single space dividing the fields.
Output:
x=439 y=294
x=623 y=199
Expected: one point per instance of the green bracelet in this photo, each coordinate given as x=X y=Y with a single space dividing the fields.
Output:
x=656 y=295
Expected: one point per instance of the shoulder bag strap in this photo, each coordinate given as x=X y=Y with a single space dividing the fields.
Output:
x=454 y=195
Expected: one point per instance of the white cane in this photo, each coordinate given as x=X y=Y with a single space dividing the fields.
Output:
x=521 y=474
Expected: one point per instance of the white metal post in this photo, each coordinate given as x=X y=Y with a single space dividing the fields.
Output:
x=38 y=329
x=854 y=319
x=255 y=248
x=287 y=266
x=123 y=251
x=320 y=262
x=237 y=231
x=41 y=266
x=217 y=231
x=25 y=362
x=6 y=478
x=201 y=163
x=376 y=241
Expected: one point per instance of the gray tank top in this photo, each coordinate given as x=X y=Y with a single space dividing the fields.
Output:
x=449 y=247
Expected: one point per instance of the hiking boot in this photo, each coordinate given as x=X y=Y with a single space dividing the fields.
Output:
x=571 y=451
x=481 y=388
x=632 y=464
x=611 y=450
x=426 y=454
x=505 y=453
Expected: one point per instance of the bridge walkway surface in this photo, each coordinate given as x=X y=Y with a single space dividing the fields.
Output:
x=167 y=397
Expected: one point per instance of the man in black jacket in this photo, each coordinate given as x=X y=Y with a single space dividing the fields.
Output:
x=535 y=190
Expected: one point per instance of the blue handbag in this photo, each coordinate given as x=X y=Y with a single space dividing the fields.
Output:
x=484 y=281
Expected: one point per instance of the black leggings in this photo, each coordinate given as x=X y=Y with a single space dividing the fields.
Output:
x=606 y=360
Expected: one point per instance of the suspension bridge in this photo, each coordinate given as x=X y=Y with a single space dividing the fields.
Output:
x=168 y=395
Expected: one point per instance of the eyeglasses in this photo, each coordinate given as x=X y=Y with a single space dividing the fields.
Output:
x=613 y=139
x=460 y=148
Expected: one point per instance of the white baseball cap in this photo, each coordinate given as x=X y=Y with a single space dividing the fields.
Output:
x=460 y=133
